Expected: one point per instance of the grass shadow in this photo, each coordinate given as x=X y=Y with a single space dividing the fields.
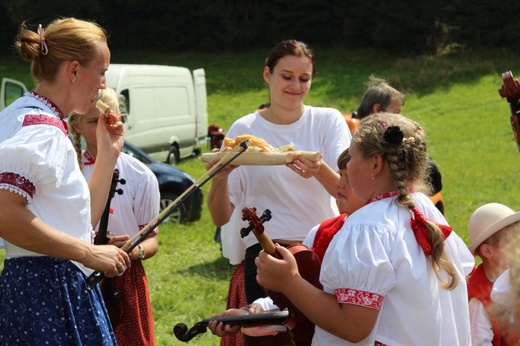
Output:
x=218 y=269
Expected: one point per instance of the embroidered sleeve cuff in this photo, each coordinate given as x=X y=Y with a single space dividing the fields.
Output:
x=17 y=183
x=361 y=298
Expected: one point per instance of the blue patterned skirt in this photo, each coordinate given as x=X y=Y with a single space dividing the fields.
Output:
x=43 y=301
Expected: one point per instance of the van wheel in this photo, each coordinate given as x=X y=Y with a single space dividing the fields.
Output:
x=178 y=215
x=173 y=156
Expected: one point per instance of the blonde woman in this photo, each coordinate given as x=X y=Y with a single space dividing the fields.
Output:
x=47 y=207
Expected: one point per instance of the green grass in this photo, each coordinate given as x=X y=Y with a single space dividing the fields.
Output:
x=455 y=97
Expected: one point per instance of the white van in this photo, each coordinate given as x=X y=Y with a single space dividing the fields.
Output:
x=167 y=108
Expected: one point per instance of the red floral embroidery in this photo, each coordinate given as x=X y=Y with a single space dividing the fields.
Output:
x=19 y=182
x=55 y=109
x=37 y=119
x=361 y=298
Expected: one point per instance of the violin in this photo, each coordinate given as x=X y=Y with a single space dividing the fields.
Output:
x=182 y=332
x=113 y=299
x=511 y=91
x=300 y=328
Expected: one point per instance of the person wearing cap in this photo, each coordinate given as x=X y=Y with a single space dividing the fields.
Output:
x=491 y=228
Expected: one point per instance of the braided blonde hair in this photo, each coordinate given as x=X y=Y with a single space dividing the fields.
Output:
x=408 y=162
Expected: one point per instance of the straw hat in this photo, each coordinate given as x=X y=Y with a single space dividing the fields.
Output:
x=487 y=220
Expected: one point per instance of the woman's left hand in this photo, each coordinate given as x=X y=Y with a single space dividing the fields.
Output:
x=275 y=274
x=305 y=167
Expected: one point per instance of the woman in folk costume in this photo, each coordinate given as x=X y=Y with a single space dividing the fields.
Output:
x=47 y=206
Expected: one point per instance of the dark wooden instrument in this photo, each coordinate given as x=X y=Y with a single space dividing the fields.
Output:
x=113 y=299
x=300 y=328
x=511 y=91
x=182 y=332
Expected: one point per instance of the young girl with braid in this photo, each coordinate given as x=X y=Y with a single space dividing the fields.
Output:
x=129 y=213
x=395 y=272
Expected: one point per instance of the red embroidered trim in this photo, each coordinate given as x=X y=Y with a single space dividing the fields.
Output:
x=19 y=182
x=89 y=158
x=48 y=103
x=37 y=119
x=361 y=298
x=384 y=195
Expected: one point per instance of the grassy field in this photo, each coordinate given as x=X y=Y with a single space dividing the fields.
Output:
x=455 y=97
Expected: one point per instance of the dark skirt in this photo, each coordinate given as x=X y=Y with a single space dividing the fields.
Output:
x=252 y=289
x=43 y=301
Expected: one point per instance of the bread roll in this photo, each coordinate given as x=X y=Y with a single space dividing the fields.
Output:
x=255 y=144
x=103 y=108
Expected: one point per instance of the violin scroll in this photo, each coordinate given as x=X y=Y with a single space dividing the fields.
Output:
x=255 y=222
x=256 y=225
x=181 y=332
x=510 y=88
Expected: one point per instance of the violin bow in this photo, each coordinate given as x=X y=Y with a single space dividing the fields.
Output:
x=97 y=276
x=184 y=334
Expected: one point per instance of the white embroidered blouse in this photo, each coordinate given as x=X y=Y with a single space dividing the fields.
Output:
x=376 y=262
x=38 y=162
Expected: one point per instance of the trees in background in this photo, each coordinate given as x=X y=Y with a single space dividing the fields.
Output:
x=400 y=27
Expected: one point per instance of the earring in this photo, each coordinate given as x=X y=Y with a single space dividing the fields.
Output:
x=74 y=79
x=373 y=178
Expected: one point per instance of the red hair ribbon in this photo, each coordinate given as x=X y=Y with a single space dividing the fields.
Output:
x=422 y=235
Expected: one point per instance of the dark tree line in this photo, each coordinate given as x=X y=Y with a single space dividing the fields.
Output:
x=400 y=27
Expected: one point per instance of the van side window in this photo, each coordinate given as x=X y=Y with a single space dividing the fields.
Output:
x=126 y=95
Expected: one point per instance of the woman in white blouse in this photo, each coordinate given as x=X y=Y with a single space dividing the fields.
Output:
x=47 y=208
